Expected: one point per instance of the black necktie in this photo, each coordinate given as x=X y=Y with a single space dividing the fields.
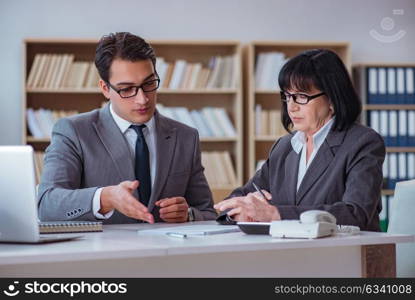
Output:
x=142 y=165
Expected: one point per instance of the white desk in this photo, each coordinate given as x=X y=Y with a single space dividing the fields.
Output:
x=120 y=252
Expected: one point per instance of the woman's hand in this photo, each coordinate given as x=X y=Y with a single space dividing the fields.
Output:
x=250 y=208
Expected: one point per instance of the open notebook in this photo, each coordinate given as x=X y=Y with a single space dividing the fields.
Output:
x=190 y=230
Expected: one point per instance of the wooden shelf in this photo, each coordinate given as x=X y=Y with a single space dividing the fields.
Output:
x=388 y=192
x=160 y=91
x=383 y=64
x=218 y=139
x=389 y=107
x=198 y=91
x=31 y=139
x=266 y=92
x=221 y=192
x=86 y=99
x=400 y=149
x=267 y=138
x=64 y=90
x=225 y=187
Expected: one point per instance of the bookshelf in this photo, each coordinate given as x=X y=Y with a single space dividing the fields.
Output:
x=267 y=97
x=388 y=97
x=82 y=99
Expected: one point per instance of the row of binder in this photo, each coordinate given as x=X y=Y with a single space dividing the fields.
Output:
x=397 y=127
x=398 y=167
x=390 y=85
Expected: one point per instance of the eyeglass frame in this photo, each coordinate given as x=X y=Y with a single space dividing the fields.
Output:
x=294 y=97
x=137 y=88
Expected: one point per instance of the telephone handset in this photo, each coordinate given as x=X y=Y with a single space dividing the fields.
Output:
x=314 y=216
x=312 y=224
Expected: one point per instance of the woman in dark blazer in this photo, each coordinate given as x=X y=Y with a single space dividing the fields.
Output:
x=328 y=161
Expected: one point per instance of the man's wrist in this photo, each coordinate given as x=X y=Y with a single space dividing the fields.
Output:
x=105 y=201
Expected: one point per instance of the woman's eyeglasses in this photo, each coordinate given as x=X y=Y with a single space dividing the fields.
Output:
x=299 y=98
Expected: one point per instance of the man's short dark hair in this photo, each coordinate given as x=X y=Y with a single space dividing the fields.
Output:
x=123 y=45
x=324 y=70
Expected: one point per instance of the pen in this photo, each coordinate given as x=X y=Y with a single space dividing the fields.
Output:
x=259 y=191
x=177 y=234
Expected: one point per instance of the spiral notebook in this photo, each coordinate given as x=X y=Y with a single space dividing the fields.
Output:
x=70 y=226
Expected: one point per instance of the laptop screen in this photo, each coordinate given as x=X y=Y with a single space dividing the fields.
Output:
x=18 y=214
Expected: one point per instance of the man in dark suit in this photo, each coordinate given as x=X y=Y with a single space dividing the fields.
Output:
x=329 y=163
x=124 y=162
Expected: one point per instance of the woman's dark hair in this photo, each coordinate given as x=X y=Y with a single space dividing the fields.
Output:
x=324 y=70
x=123 y=45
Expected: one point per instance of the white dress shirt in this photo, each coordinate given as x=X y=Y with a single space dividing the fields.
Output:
x=131 y=137
x=299 y=144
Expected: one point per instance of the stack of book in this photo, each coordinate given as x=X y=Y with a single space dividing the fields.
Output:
x=268 y=66
x=40 y=122
x=221 y=72
x=209 y=121
x=219 y=170
x=56 y=71
x=390 y=85
x=268 y=122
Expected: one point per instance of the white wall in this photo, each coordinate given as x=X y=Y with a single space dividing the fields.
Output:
x=243 y=20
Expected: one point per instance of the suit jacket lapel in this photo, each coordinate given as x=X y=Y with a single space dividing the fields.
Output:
x=165 y=143
x=291 y=171
x=116 y=144
x=320 y=162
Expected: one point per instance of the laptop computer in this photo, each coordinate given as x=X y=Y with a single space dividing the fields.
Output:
x=401 y=220
x=19 y=221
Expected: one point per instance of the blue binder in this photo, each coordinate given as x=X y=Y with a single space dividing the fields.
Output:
x=372 y=85
x=409 y=85
x=400 y=86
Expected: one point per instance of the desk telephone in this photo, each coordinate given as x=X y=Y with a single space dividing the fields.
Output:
x=312 y=224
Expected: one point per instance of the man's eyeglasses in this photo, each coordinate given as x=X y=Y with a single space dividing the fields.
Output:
x=132 y=91
x=298 y=98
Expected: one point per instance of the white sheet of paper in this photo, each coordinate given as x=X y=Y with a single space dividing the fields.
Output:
x=191 y=230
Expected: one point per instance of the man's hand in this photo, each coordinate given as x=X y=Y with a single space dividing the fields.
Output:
x=120 y=197
x=250 y=208
x=173 y=210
